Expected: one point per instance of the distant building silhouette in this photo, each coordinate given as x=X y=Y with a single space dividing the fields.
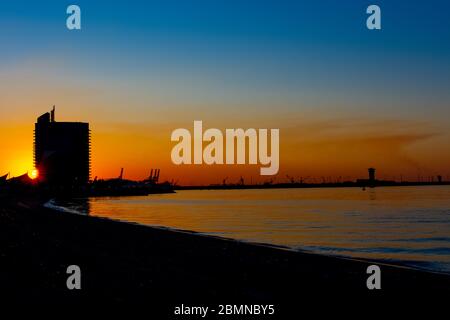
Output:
x=61 y=151
x=372 y=175
x=371 y=182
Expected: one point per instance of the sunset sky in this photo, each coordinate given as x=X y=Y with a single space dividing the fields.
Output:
x=344 y=98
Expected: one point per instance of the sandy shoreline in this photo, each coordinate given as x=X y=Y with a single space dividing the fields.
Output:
x=127 y=263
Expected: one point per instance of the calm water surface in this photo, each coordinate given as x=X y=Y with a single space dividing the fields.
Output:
x=408 y=225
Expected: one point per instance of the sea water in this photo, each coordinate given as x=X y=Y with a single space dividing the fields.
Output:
x=400 y=225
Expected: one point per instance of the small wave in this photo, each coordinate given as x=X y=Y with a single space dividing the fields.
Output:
x=431 y=239
x=425 y=251
x=430 y=266
x=52 y=205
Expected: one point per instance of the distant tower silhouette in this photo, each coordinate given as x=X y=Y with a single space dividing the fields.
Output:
x=61 y=151
x=371 y=175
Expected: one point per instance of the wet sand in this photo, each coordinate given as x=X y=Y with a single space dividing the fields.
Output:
x=123 y=263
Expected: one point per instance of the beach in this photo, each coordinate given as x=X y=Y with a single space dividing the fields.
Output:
x=124 y=263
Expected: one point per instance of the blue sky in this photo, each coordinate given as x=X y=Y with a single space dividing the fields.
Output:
x=296 y=55
x=311 y=50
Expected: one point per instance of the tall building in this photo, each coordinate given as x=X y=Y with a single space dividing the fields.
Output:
x=61 y=151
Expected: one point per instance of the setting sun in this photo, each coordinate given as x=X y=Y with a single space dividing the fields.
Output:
x=33 y=174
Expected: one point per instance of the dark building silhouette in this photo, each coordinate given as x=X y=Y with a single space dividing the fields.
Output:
x=371 y=174
x=372 y=181
x=61 y=151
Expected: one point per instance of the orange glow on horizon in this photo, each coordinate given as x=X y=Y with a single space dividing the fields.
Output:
x=312 y=151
